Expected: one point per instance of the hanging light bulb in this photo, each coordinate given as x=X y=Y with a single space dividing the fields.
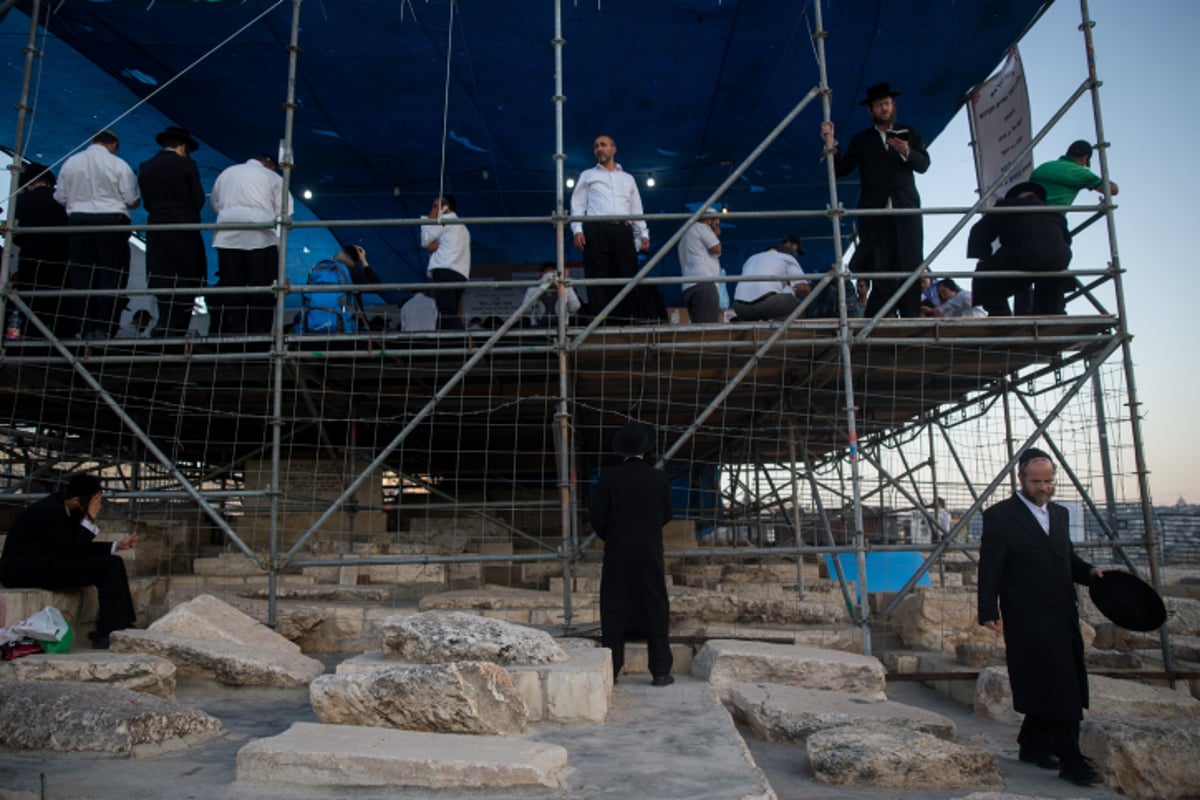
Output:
x=308 y=194
x=650 y=179
x=570 y=181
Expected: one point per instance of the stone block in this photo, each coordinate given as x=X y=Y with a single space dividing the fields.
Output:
x=209 y=619
x=791 y=714
x=881 y=756
x=725 y=661
x=341 y=757
x=64 y=716
x=232 y=664
x=637 y=659
x=432 y=637
x=460 y=697
x=978 y=654
x=1145 y=759
x=139 y=673
x=78 y=606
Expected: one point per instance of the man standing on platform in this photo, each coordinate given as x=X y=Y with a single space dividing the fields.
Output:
x=97 y=188
x=609 y=248
x=247 y=192
x=449 y=247
x=42 y=258
x=171 y=190
x=886 y=155
x=1027 y=572
x=700 y=257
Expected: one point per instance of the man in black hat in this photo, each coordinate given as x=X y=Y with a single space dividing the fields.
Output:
x=1027 y=572
x=1035 y=241
x=50 y=546
x=886 y=156
x=171 y=190
x=1066 y=175
x=42 y=257
x=631 y=505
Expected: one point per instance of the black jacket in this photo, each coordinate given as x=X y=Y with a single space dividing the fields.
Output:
x=1033 y=240
x=42 y=536
x=171 y=190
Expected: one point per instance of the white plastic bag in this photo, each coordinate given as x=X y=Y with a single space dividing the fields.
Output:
x=46 y=625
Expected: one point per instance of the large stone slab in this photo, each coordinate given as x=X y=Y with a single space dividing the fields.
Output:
x=64 y=716
x=726 y=661
x=210 y=619
x=233 y=664
x=1108 y=697
x=751 y=608
x=877 y=755
x=134 y=671
x=434 y=637
x=1146 y=759
x=461 y=697
x=792 y=713
x=347 y=756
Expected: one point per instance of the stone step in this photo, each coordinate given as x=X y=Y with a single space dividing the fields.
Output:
x=349 y=756
x=236 y=582
x=723 y=662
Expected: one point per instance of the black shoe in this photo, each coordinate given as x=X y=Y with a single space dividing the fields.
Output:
x=1080 y=772
x=1043 y=758
x=662 y=680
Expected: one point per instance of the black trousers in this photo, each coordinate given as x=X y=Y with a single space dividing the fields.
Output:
x=909 y=304
x=249 y=312
x=1048 y=293
x=97 y=261
x=609 y=252
x=449 y=301
x=1057 y=736
x=175 y=260
x=658 y=651
x=703 y=302
x=105 y=572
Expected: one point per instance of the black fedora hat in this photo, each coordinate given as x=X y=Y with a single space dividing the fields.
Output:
x=174 y=135
x=878 y=92
x=1128 y=601
x=633 y=439
x=1031 y=187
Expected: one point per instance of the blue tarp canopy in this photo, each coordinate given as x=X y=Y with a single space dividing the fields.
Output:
x=688 y=88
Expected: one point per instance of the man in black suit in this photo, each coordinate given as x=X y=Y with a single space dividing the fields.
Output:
x=886 y=156
x=631 y=505
x=171 y=191
x=1027 y=572
x=50 y=546
x=42 y=257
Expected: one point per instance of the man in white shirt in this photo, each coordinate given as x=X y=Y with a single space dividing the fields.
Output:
x=775 y=295
x=449 y=247
x=544 y=313
x=97 y=188
x=700 y=257
x=419 y=313
x=609 y=251
x=956 y=302
x=247 y=192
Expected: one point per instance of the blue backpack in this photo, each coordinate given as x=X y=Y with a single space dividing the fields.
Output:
x=332 y=311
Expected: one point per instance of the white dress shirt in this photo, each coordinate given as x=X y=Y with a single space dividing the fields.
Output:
x=780 y=272
x=1040 y=513
x=695 y=257
x=97 y=182
x=247 y=192
x=454 y=248
x=600 y=191
x=419 y=314
x=536 y=312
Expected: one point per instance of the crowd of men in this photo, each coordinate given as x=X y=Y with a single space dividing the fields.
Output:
x=96 y=187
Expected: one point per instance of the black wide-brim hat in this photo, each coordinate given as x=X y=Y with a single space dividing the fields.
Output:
x=1032 y=187
x=878 y=92
x=1128 y=601
x=175 y=135
x=633 y=439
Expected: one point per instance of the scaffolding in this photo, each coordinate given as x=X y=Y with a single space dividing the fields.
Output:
x=468 y=455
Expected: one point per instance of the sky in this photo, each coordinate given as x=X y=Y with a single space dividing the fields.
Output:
x=1141 y=59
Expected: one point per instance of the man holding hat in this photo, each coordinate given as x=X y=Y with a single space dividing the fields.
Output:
x=50 y=546
x=631 y=504
x=1035 y=241
x=1066 y=175
x=171 y=191
x=780 y=285
x=1027 y=572
x=886 y=155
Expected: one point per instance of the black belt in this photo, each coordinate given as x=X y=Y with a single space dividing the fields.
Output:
x=766 y=296
x=610 y=222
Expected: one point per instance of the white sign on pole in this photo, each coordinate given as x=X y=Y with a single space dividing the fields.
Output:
x=1000 y=121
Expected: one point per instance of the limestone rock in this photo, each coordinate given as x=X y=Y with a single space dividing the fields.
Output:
x=139 y=673
x=461 y=697
x=792 y=714
x=65 y=716
x=1108 y=696
x=978 y=654
x=943 y=618
x=726 y=606
x=233 y=664
x=434 y=637
x=725 y=661
x=207 y=618
x=876 y=755
x=1146 y=759
x=342 y=757
x=1183 y=616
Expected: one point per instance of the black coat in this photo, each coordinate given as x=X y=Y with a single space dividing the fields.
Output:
x=171 y=192
x=631 y=505
x=42 y=538
x=1027 y=578
x=886 y=242
x=1028 y=241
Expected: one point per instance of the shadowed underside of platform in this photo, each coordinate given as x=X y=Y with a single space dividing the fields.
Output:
x=209 y=405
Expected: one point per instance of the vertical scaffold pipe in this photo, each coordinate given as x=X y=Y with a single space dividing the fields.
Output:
x=844 y=336
x=286 y=163
x=1135 y=419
